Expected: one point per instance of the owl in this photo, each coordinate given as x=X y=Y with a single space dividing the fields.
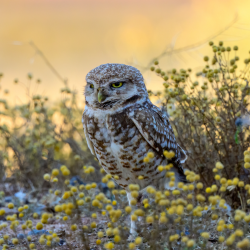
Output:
x=122 y=126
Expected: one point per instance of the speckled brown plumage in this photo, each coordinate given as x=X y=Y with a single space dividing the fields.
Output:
x=121 y=130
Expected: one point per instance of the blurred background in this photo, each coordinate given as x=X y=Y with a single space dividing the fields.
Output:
x=77 y=36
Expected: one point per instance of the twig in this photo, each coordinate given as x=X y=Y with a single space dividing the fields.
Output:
x=195 y=45
x=47 y=62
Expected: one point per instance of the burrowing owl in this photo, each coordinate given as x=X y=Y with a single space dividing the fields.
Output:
x=122 y=126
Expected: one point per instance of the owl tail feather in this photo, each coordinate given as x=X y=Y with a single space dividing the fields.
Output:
x=181 y=177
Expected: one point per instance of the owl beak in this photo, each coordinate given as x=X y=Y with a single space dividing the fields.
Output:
x=101 y=96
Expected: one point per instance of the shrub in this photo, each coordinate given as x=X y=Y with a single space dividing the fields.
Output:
x=209 y=116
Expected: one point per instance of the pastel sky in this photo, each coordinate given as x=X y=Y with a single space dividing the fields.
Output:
x=77 y=36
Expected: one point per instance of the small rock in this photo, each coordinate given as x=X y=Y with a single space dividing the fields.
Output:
x=20 y=236
x=76 y=180
x=38 y=232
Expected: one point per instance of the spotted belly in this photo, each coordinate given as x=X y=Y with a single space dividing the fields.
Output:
x=120 y=149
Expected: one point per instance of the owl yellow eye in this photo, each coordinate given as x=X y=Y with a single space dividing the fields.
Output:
x=91 y=86
x=117 y=84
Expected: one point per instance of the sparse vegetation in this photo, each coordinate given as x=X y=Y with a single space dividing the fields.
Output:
x=44 y=153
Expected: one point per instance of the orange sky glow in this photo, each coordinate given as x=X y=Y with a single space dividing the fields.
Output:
x=77 y=36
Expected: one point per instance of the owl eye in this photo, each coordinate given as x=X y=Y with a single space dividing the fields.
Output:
x=117 y=84
x=91 y=86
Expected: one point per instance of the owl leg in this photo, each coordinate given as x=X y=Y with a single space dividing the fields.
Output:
x=133 y=227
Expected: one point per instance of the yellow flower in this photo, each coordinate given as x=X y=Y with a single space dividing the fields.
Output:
x=55 y=180
x=32 y=246
x=46 y=177
x=247 y=158
x=176 y=192
x=217 y=177
x=241 y=184
x=189 y=207
x=109 y=232
x=150 y=154
x=42 y=240
x=219 y=165
x=230 y=241
x=244 y=244
x=65 y=218
x=199 y=185
x=139 y=212
x=81 y=195
x=73 y=227
x=109 y=245
x=169 y=154
x=55 y=172
x=150 y=219
x=63 y=167
x=220 y=228
x=117 y=238
x=246 y=152
x=93 y=225
x=214 y=216
x=68 y=211
x=131 y=245
x=80 y=202
x=221 y=239
x=98 y=242
x=111 y=184
x=66 y=195
x=74 y=189
x=39 y=226
x=93 y=185
x=10 y=205
x=15 y=241
x=20 y=209
x=190 y=243
x=160 y=168
x=184 y=239
x=179 y=209
x=239 y=233
x=100 y=234
x=171 y=184
x=200 y=198
x=163 y=220
x=134 y=194
x=66 y=172
x=138 y=240
x=247 y=165
x=133 y=217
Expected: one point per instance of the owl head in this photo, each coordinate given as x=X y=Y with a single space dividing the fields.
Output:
x=110 y=86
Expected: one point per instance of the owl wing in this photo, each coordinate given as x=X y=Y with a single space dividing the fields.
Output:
x=155 y=127
x=89 y=143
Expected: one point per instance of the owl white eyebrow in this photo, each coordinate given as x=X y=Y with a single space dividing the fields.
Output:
x=118 y=80
x=91 y=82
